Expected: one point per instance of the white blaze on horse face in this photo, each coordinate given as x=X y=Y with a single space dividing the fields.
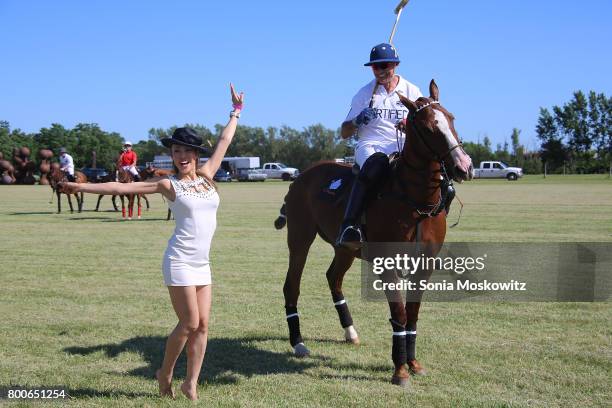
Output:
x=460 y=159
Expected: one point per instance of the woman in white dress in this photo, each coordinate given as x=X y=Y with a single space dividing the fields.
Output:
x=194 y=200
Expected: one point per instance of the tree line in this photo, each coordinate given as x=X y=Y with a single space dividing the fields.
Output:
x=575 y=137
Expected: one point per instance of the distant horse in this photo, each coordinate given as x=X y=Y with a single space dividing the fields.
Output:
x=125 y=177
x=407 y=208
x=151 y=172
x=113 y=176
x=56 y=175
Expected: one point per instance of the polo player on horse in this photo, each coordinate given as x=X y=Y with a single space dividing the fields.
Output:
x=376 y=111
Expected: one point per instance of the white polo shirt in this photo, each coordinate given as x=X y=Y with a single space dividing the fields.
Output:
x=67 y=163
x=389 y=110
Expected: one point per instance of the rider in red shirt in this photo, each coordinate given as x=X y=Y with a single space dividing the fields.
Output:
x=128 y=160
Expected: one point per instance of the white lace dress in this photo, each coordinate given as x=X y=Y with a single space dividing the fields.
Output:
x=195 y=211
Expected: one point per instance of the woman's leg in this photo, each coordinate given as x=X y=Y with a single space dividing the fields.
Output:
x=185 y=304
x=196 y=344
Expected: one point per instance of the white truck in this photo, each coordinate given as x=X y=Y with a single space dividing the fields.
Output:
x=497 y=169
x=280 y=171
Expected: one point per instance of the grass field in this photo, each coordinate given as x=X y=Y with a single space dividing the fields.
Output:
x=83 y=305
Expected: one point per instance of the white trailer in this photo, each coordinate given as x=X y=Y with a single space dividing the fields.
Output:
x=231 y=164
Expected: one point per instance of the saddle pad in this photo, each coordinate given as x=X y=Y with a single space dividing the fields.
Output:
x=337 y=187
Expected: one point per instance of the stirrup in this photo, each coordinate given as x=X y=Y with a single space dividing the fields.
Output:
x=350 y=238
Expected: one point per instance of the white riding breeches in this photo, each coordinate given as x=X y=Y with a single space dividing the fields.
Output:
x=131 y=169
x=365 y=150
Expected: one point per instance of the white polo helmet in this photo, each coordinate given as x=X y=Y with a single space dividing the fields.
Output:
x=127 y=143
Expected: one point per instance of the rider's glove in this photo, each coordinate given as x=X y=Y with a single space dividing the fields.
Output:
x=364 y=117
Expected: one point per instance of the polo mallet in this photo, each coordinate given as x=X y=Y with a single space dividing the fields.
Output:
x=398 y=13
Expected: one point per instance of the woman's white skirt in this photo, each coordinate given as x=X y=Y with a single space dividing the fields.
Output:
x=180 y=273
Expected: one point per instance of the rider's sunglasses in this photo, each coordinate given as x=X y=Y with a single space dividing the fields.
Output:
x=381 y=66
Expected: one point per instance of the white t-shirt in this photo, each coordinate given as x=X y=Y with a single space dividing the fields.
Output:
x=66 y=163
x=388 y=107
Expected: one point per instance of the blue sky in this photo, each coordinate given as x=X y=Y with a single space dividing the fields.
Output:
x=133 y=65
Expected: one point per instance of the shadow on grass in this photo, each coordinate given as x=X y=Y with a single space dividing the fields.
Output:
x=34 y=213
x=226 y=358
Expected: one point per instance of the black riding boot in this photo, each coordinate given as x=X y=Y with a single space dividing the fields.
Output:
x=350 y=234
x=70 y=178
x=136 y=177
x=374 y=169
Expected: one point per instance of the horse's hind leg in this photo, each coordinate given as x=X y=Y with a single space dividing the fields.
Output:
x=343 y=260
x=59 y=201
x=130 y=206
x=122 y=206
x=139 y=206
x=301 y=232
x=80 y=201
x=98 y=203
x=70 y=202
x=115 y=203
x=146 y=201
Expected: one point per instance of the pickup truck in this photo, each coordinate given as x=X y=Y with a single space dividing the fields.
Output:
x=497 y=169
x=251 y=175
x=280 y=171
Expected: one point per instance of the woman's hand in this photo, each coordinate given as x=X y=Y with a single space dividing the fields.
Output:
x=237 y=100
x=67 y=187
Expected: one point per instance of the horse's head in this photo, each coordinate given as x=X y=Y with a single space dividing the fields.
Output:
x=434 y=126
x=55 y=175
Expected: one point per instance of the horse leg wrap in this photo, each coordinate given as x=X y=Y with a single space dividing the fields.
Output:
x=398 y=353
x=343 y=311
x=139 y=211
x=411 y=341
x=123 y=212
x=293 y=321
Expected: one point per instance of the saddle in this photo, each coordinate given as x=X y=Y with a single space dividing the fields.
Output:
x=336 y=189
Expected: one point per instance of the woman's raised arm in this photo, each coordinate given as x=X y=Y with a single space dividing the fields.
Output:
x=209 y=168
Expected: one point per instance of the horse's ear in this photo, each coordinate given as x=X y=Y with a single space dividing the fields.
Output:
x=434 y=92
x=412 y=107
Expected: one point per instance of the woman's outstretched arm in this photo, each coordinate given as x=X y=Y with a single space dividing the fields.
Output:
x=209 y=168
x=162 y=186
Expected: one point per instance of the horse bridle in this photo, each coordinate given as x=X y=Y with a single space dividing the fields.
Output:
x=430 y=209
x=438 y=157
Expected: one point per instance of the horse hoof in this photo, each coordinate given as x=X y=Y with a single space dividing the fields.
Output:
x=416 y=368
x=300 y=350
x=351 y=336
x=403 y=382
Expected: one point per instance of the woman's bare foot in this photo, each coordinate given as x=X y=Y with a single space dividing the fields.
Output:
x=190 y=390
x=165 y=385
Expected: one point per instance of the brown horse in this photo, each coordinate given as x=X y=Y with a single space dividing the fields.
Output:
x=407 y=208
x=56 y=175
x=125 y=177
x=151 y=172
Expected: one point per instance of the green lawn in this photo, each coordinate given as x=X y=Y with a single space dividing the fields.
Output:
x=83 y=305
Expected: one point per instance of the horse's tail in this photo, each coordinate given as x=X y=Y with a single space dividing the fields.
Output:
x=281 y=220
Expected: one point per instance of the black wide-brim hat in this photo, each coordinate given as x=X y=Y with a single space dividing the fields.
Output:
x=185 y=137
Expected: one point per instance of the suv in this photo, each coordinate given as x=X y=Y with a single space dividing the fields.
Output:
x=97 y=175
x=222 y=175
